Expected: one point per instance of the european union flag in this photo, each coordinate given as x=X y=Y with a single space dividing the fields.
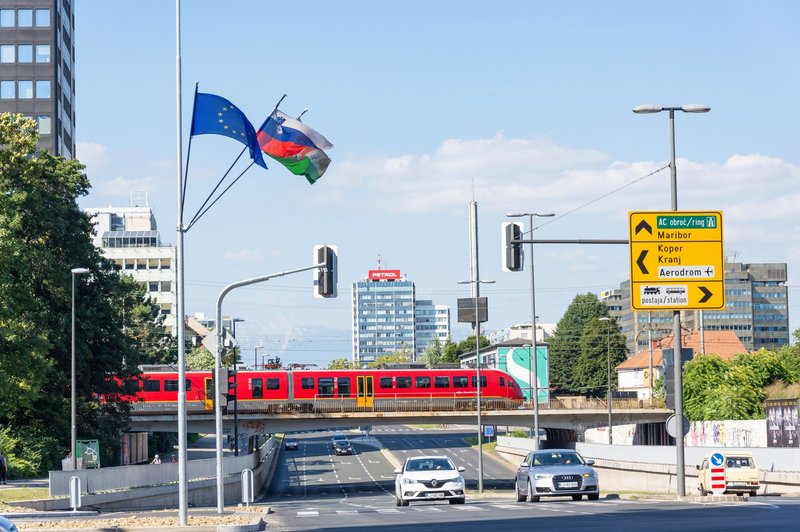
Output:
x=214 y=115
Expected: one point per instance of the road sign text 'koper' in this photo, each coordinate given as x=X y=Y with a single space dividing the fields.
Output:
x=677 y=261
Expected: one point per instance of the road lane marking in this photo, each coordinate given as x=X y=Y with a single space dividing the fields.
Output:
x=427 y=509
x=387 y=511
x=308 y=514
x=470 y=508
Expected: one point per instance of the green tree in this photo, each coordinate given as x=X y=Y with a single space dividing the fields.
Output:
x=399 y=357
x=565 y=344
x=601 y=341
x=43 y=235
x=434 y=354
x=199 y=358
x=451 y=352
x=341 y=363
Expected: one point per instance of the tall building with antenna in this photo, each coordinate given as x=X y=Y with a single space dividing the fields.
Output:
x=388 y=319
x=37 y=68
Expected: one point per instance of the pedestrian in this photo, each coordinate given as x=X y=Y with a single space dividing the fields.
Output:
x=3 y=467
x=156 y=460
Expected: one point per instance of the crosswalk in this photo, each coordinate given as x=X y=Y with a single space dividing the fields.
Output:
x=568 y=507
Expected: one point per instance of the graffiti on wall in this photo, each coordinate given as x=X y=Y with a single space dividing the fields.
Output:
x=748 y=433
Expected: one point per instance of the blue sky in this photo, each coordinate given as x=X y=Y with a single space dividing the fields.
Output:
x=523 y=106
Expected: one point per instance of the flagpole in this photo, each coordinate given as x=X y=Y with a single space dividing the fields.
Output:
x=189 y=149
x=179 y=284
x=272 y=113
x=301 y=114
x=200 y=214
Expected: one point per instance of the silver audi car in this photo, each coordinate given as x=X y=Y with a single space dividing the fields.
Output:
x=556 y=473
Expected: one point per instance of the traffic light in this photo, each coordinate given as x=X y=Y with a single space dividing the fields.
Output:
x=222 y=377
x=512 y=252
x=325 y=277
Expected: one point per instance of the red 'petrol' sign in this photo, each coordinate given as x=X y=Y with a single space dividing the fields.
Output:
x=384 y=275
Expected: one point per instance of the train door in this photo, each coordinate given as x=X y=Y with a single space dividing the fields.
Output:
x=365 y=393
x=208 y=396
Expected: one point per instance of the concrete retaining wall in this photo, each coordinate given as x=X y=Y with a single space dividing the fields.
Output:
x=653 y=469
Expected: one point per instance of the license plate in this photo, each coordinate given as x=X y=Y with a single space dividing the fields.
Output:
x=434 y=495
x=568 y=485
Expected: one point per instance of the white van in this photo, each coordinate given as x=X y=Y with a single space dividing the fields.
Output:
x=741 y=474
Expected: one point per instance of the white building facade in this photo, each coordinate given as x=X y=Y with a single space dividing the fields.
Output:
x=129 y=237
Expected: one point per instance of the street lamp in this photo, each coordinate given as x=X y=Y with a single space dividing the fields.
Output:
x=478 y=378
x=535 y=400
x=234 y=321
x=73 y=411
x=608 y=386
x=676 y=315
x=255 y=358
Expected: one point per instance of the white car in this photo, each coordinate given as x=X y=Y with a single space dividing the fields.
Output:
x=429 y=478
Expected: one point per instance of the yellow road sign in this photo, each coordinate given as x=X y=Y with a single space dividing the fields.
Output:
x=677 y=260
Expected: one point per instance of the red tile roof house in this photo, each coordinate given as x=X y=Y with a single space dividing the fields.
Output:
x=634 y=374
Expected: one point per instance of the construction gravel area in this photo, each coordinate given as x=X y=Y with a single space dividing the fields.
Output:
x=142 y=520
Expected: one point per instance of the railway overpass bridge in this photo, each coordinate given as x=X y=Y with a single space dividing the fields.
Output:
x=577 y=418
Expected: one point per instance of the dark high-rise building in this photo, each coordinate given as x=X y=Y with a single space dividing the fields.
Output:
x=37 y=68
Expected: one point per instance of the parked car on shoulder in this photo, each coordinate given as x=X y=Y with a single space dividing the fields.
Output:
x=741 y=474
x=429 y=478
x=556 y=473
x=290 y=444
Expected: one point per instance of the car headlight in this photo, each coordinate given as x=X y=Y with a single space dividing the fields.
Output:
x=458 y=480
x=590 y=474
x=409 y=481
x=542 y=476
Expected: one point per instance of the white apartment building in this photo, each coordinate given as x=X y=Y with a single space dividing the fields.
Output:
x=129 y=237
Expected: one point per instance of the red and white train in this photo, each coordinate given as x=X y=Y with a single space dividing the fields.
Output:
x=277 y=391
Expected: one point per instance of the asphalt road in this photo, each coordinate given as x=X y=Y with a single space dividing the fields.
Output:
x=316 y=490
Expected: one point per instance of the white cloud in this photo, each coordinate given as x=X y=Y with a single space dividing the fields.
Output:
x=91 y=154
x=122 y=186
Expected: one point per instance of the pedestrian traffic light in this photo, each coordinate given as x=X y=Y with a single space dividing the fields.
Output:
x=512 y=251
x=326 y=276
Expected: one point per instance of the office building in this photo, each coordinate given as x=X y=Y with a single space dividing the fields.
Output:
x=37 y=68
x=756 y=309
x=387 y=318
x=431 y=322
x=129 y=237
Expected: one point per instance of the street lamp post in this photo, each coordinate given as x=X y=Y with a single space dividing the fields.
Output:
x=676 y=315
x=73 y=408
x=534 y=398
x=234 y=321
x=255 y=358
x=608 y=386
x=478 y=379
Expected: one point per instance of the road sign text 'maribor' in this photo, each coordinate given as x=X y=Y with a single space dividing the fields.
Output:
x=677 y=261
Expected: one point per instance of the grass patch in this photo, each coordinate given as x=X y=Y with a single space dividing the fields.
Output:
x=487 y=446
x=23 y=494
x=426 y=426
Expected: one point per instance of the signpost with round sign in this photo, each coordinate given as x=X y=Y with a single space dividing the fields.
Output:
x=716 y=465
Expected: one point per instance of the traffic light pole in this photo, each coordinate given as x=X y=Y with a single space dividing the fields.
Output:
x=218 y=365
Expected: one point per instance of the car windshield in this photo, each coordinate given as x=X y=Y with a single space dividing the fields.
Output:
x=344 y=443
x=340 y=437
x=734 y=462
x=430 y=464
x=556 y=459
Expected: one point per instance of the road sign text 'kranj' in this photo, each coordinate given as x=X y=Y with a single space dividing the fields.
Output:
x=677 y=261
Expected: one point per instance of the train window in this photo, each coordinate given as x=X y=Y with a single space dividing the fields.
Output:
x=258 y=388
x=151 y=386
x=386 y=382
x=423 y=382
x=172 y=385
x=325 y=386
x=502 y=382
x=483 y=381
x=460 y=382
x=273 y=384
x=307 y=383
x=441 y=382
x=403 y=382
x=344 y=386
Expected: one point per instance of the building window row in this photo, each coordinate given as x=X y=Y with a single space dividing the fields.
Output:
x=25 y=89
x=24 y=18
x=24 y=53
x=159 y=286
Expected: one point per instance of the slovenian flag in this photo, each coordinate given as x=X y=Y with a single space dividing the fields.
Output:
x=295 y=145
